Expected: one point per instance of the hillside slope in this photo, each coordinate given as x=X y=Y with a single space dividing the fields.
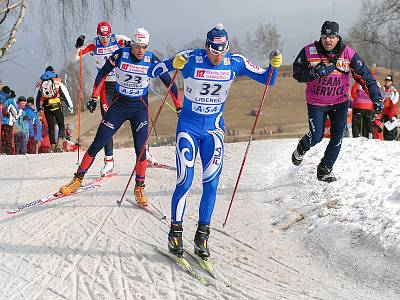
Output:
x=288 y=237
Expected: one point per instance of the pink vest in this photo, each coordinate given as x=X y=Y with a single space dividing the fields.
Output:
x=362 y=100
x=334 y=88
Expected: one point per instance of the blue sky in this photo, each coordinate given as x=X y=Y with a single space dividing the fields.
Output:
x=178 y=22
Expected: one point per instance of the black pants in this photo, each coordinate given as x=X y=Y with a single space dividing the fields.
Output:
x=53 y=117
x=362 y=122
x=388 y=135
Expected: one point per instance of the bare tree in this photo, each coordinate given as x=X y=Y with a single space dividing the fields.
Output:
x=257 y=46
x=266 y=39
x=376 y=35
x=13 y=12
x=66 y=16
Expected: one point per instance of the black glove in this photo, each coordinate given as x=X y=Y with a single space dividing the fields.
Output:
x=321 y=70
x=378 y=107
x=178 y=111
x=91 y=105
x=80 y=41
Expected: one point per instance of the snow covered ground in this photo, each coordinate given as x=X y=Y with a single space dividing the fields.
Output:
x=289 y=236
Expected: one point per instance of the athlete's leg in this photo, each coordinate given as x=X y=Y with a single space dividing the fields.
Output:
x=338 y=117
x=109 y=125
x=50 y=124
x=316 y=123
x=211 y=153
x=140 y=129
x=187 y=145
x=107 y=95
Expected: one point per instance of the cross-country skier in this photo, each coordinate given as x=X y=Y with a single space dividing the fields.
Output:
x=325 y=66
x=131 y=65
x=101 y=48
x=208 y=74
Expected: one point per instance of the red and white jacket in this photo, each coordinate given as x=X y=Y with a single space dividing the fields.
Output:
x=390 y=101
x=101 y=53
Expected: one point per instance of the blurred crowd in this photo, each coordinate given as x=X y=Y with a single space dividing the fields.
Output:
x=361 y=119
x=31 y=125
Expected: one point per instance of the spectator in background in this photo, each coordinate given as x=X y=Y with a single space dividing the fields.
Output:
x=363 y=112
x=389 y=112
x=35 y=127
x=10 y=112
x=50 y=94
x=21 y=128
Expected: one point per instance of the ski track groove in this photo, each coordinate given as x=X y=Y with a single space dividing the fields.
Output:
x=56 y=262
x=121 y=278
x=43 y=272
x=26 y=280
x=86 y=245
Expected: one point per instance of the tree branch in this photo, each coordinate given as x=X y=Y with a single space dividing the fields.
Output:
x=12 y=36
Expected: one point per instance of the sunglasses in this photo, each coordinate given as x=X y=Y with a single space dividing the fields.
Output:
x=216 y=52
x=331 y=36
x=138 y=46
x=104 y=37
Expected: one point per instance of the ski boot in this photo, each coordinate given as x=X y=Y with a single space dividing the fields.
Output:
x=108 y=166
x=151 y=160
x=59 y=146
x=140 y=197
x=175 y=242
x=325 y=174
x=298 y=155
x=73 y=185
x=200 y=241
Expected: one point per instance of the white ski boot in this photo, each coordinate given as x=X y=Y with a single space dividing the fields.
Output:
x=151 y=160
x=108 y=165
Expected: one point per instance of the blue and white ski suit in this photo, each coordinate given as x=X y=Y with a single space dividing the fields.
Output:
x=201 y=125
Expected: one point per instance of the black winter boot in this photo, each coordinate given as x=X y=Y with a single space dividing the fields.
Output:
x=200 y=241
x=298 y=155
x=324 y=174
x=175 y=243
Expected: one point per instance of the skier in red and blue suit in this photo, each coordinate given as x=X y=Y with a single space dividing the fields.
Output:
x=131 y=65
x=101 y=48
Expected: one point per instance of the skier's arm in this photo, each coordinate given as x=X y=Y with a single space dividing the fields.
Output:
x=86 y=49
x=110 y=64
x=166 y=79
x=122 y=40
x=243 y=66
x=363 y=76
x=302 y=70
x=166 y=66
x=65 y=95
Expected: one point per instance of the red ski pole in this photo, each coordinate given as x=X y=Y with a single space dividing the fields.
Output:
x=80 y=96
x=249 y=142
x=147 y=138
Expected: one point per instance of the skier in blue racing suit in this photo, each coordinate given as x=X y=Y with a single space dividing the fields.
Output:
x=208 y=74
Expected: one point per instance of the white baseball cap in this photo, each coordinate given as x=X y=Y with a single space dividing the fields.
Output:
x=141 y=36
